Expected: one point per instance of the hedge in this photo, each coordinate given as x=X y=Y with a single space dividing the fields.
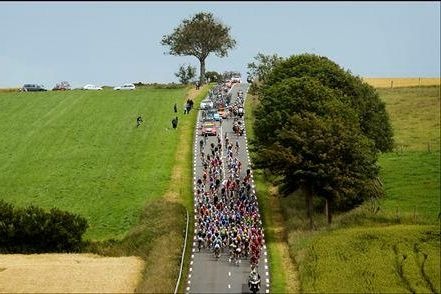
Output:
x=34 y=230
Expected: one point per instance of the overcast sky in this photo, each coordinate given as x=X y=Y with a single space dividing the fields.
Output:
x=110 y=43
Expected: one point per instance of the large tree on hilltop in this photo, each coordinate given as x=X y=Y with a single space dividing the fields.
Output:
x=373 y=118
x=199 y=36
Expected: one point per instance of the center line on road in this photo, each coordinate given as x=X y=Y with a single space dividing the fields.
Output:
x=229 y=286
x=229 y=274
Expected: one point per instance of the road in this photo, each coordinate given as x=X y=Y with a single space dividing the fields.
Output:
x=206 y=274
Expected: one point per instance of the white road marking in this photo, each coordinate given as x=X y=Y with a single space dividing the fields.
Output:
x=191 y=262
x=266 y=267
x=267 y=274
x=229 y=286
x=191 y=269
x=229 y=274
x=267 y=291
x=266 y=261
x=192 y=256
x=267 y=281
x=188 y=288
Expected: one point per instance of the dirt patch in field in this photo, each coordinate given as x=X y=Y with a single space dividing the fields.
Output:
x=73 y=273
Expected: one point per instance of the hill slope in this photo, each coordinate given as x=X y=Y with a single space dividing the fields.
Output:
x=81 y=151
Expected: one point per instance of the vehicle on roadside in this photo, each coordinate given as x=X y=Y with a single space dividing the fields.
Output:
x=125 y=87
x=32 y=88
x=209 y=128
x=236 y=79
x=207 y=104
x=92 y=87
x=216 y=116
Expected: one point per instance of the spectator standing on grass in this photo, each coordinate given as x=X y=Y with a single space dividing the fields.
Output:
x=138 y=121
x=174 y=123
x=175 y=108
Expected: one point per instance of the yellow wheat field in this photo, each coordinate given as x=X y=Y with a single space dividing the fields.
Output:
x=402 y=82
x=68 y=273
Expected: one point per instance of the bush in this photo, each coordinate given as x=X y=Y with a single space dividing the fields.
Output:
x=33 y=230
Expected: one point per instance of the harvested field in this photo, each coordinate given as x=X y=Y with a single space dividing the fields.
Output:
x=402 y=82
x=73 y=273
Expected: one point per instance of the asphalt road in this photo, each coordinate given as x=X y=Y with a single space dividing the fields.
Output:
x=206 y=274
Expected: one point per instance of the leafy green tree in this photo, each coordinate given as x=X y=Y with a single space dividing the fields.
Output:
x=213 y=76
x=372 y=115
x=186 y=73
x=260 y=68
x=199 y=36
x=315 y=143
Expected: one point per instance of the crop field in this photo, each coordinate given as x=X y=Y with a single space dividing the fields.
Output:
x=393 y=259
x=81 y=151
x=402 y=82
x=68 y=273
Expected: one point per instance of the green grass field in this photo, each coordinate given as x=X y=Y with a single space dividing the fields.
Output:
x=81 y=151
x=373 y=260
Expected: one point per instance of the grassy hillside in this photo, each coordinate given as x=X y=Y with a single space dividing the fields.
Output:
x=81 y=151
x=371 y=250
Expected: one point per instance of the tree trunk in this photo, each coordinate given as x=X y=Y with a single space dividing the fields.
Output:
x=202 y=72
x=329 y=210
x=308 y=197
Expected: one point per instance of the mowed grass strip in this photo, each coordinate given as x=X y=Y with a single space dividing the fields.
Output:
x=81 y=151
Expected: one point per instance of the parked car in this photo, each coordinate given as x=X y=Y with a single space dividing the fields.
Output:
x=91 y=87
x=209 y=128
x=32 y=88
x=125 y=87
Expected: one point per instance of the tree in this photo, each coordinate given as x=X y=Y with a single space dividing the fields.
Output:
x=213 y=76
x=260 y=68
x=185 y=73
x=64 y=85
x=315 y=143
x=199 y=36
x=372 y=115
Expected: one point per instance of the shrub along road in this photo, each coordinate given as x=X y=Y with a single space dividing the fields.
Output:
x=208 y=275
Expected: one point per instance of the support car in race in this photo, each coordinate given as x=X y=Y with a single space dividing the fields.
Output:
x=209 y=129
